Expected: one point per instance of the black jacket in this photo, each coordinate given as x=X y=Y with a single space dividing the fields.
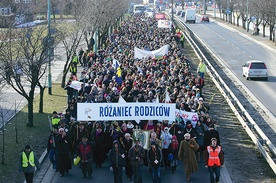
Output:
x=63 y=145
x=115 y=159
x=51 y=143
x=136 y=155
x=155 y=155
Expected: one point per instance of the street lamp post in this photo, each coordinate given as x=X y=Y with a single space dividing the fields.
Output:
x=247 y=23
x=172 y=12
x=48 y=47
x=275 y=23
x=215 y=9
x=95 y=36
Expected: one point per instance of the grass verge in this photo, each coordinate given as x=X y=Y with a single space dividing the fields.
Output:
x=36 y=136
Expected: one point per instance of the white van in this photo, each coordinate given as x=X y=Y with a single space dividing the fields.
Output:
x=190 y=15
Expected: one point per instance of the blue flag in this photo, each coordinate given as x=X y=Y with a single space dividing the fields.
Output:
x=118 y=70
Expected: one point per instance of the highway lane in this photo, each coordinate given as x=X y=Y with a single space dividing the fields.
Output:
x=235 y=49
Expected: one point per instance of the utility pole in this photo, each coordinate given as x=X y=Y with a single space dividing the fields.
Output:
x=49 y=50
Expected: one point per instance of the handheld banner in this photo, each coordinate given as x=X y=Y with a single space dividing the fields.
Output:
x=125 y=111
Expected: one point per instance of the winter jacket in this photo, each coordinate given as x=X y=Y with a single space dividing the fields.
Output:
x=166 y=139
x=63 y=145
x=84 y=151
x=136 y=155
x=116 y=159
x=155 y=155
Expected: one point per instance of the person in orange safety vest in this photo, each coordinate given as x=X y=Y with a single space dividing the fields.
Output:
x=214 y=160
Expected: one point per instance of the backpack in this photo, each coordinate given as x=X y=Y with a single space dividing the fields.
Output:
x=170 y=157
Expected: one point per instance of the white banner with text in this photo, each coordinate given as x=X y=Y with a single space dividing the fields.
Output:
x=125 y=111
x=159 y=53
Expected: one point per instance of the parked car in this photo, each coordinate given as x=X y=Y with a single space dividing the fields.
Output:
x=178 y=13
x=254 y=69
x=183 y=14
x=205 y=18
x=162 y=8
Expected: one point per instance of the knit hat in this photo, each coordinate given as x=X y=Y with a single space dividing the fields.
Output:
x=84 y=136
x=153 y=143
x=211 y=126
x=187 y=135
x=27 y=147
x=213 y=139
x=130 y=125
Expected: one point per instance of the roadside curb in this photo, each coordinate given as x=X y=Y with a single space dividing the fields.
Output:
x=225 y=177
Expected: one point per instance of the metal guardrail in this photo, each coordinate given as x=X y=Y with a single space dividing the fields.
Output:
x=233 y=102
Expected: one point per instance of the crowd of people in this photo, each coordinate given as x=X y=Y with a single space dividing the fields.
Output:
x=136 y=80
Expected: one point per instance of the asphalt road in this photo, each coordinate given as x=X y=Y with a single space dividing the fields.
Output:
x=104 y=175
x=234 y=50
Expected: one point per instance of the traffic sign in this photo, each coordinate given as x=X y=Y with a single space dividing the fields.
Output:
x=228 y=11
x=253 y=19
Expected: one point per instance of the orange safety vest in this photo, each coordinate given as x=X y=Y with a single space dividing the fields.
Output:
x=213 y=156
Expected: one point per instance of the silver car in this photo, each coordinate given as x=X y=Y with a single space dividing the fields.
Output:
x=254 y=69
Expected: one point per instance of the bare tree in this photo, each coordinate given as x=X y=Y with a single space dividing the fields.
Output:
x=95 y=15
x=71 y=36
x=268 y=16
x=23 y=62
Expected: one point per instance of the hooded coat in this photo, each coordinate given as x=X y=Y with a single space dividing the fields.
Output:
x=116 y=157
x=187 y=154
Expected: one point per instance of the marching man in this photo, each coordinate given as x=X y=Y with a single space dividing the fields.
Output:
x=214 y=159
